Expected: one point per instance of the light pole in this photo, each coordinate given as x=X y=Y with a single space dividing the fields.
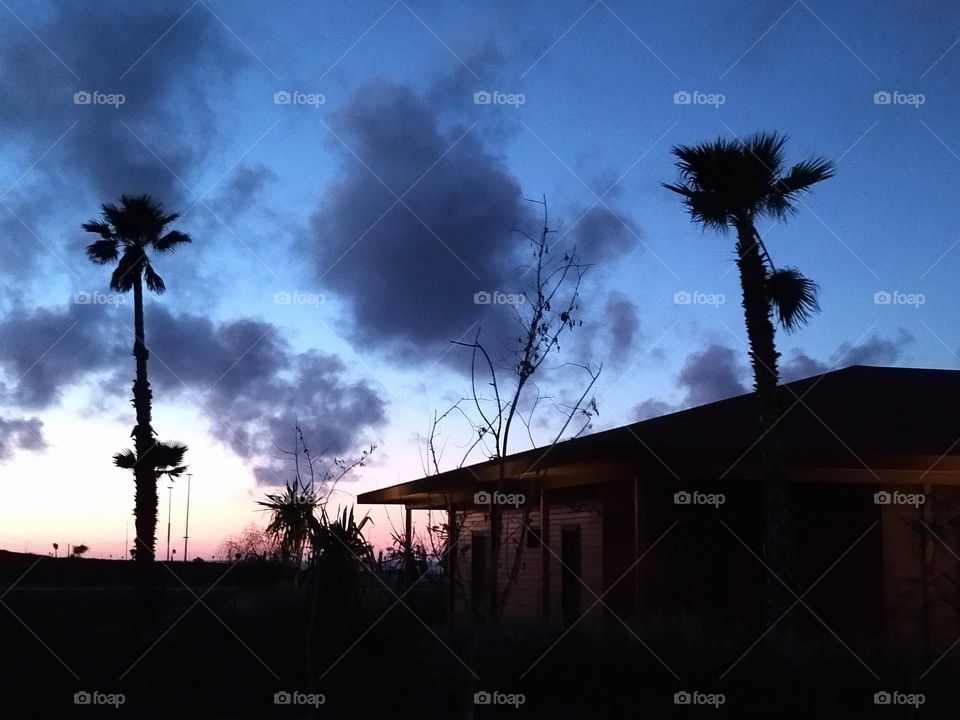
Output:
x=186 y=527
x=169 y=502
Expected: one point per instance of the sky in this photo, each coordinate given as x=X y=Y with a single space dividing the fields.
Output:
x=352 y=175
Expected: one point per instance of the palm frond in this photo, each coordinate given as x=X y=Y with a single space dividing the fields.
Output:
x=766 y=148
x=99 y=227
x=166 y=455
x=805 y=174
x=793 y=296
x=704 y=207
x=169 y=242
x=127 y=270
x=103 y=251
x=154 y=281
x=125 y=460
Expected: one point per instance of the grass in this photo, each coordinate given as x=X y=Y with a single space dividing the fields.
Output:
x=227 y=656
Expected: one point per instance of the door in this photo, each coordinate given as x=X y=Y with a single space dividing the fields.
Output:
x=478 y=570
x=570 y=585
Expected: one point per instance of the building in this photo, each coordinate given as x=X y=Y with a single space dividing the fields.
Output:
x=666 y=514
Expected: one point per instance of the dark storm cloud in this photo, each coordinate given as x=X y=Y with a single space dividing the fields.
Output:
x=410 y=273
x=249 y=383
x=46 y=350
x=20 y=434
x=19 y=215
x=253 y=387
x=105 y=47
x=409 y=270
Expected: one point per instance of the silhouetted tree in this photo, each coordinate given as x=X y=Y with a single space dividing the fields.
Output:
x=294 y=510
x=729 y=184
x=549 y=309
x=79 y=550
x=253 y=543
x=339 y=552
x=126 y=234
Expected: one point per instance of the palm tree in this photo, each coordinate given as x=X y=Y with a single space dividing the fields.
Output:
x=731 y=184
x=126 y=234
x=339 y=554
x=291 y=515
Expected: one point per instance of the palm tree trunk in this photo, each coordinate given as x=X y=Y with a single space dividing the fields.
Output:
x=145 y=500
x=777 y=531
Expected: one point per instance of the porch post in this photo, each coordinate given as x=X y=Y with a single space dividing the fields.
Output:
x=453 y=538
x=545 y=552
x=637 y=536
x=408 y=563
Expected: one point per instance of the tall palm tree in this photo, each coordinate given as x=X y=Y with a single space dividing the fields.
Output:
x=126 y=234
x=730 y=184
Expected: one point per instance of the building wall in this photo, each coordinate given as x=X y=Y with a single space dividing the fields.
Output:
x=525 y=599
x=921 y=569
x=913 y=569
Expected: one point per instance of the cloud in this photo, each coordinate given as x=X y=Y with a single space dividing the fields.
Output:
x=800 y=365
x=104 y=145
x=253 y=388
x=43 y=351
x=409 y=269
x=711 y=374
x=873 y=351
x=603 y=233
x=707 y=375
x=243 y=190
x=651 y=409
x=610 y=330
x=243 y=375
x=20 y=434
x=716 y=372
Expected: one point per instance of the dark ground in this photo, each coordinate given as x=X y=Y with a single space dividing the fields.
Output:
x=67 y=628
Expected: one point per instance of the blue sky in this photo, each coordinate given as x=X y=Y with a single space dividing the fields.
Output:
x=282 y=198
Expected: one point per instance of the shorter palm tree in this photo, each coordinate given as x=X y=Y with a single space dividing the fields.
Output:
x=292 y=514
x=162 y=459
x=339 y=554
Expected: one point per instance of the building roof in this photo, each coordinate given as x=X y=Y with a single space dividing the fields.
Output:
x=861 y=418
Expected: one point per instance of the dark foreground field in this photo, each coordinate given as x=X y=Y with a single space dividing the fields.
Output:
x=229 y=654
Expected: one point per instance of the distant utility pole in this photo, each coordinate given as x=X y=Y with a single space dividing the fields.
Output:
x=169 y=503
x=186 y=527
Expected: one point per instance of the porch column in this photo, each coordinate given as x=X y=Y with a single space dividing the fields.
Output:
x=408 y=561
x=453 y=557
x=545 y=552
x=638 y=530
